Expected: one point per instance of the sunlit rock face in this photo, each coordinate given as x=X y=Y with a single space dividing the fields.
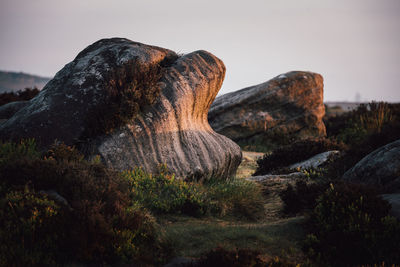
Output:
x=380 y=168
x=170 y=128
x=279 y=111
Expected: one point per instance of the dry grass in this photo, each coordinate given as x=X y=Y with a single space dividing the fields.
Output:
x=193 y=237
x=249 y=164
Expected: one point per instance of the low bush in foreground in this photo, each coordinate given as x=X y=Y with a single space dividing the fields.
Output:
x=59 y=208
x=296 y=152
x=239 y=258
x=301 y=197
x=350 y=226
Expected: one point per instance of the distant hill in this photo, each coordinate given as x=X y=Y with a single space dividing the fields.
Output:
x=14 y=81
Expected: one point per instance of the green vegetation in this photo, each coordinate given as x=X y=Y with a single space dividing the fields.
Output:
x=350 y=226
x=301 y=197
x=66 y=210
x=240 y=257
x=56 y=208
x=194 y=237
x=59 y=208
x=339 y=211
x=21 y=95
x=363 y=130
x=353 y=127
x=163 y=194
x=356 y=133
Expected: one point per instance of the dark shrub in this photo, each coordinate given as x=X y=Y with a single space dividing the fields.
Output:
x=29 y=229
x=239 y=258
x=21 y=95
x=349 y=226
x=302 y=197
x=296 y=152
x=231 y=258
x=82 y=211
x=353 y=127
x=128 y=89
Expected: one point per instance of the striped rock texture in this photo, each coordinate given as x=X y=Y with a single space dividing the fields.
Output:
x=173 y=129
x=277 y=112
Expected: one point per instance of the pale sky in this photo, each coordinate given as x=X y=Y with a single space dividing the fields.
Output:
x=354 y=44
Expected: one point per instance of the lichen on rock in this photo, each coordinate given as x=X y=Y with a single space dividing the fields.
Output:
x=284 y=109
x=133 y=105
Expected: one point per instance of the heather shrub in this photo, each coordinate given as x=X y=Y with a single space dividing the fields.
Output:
x=350 y=226
x=129 y=89
x=28 y=226
x=296 y=152
x=237 y=197
x=10 y=151
x=301 y=197
x=82 y=211
x=240 y=257
x=21 y=95
x=355 y=126
x=231 y=258
x=163 y=193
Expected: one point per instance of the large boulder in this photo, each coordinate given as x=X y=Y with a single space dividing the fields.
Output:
x=281 y=110
x=133 y=105
x=380 y=168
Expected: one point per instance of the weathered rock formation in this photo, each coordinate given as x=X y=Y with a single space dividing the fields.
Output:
x=167 y=97
x=286 y=108
x=379 y=168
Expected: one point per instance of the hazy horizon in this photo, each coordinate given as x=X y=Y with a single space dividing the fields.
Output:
x=353 y=44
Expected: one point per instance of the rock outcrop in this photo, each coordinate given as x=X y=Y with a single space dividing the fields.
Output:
x=133 y=105
x=286 y=108
x=379 y=168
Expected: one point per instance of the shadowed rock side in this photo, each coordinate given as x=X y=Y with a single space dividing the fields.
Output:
x=171 y=129
x=288 y=107
x=9 y=109
x=380 y=168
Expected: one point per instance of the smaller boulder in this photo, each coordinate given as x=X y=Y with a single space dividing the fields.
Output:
x=394 y=200
x=379 y=168
x=286 y=108
x=315 y=161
